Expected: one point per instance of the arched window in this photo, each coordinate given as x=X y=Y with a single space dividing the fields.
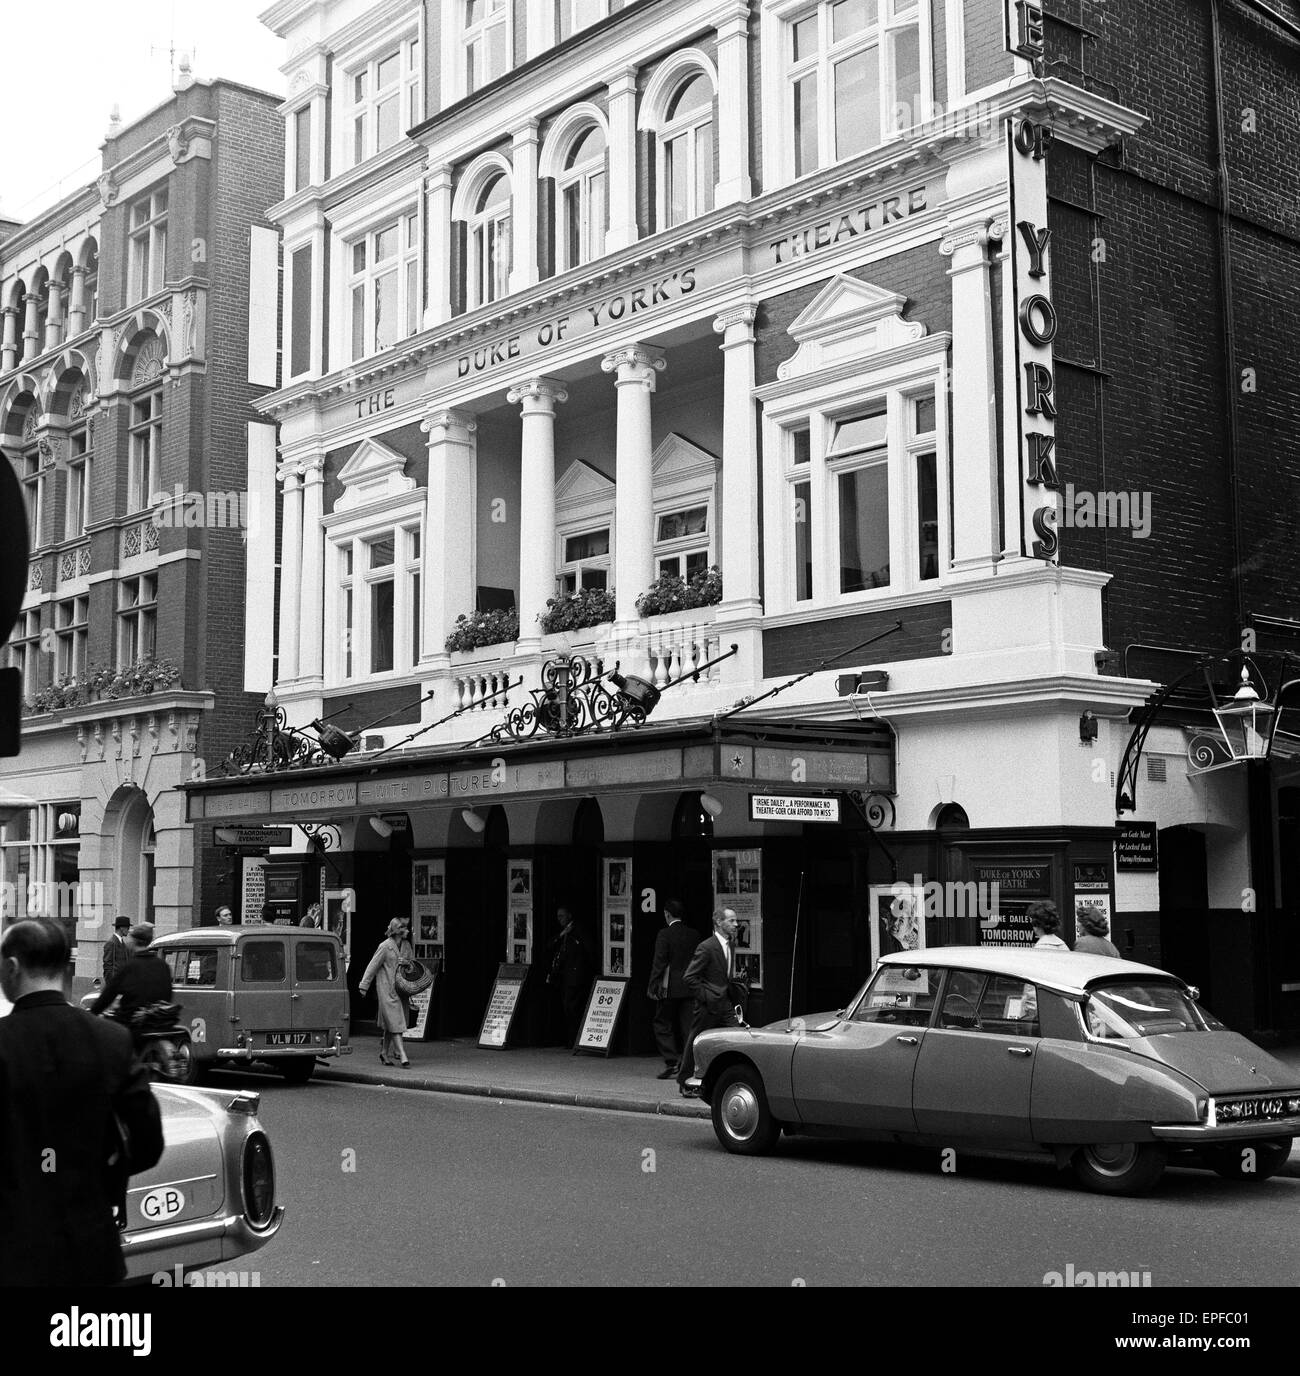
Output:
x=581 y=202
x=489 y=243
x=90 y=292
x=686 y=154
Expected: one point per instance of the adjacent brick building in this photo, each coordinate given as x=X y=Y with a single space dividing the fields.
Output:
x=126 y=382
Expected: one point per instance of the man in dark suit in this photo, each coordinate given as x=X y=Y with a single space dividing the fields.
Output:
x=117 y=950
x=674 y=946
x=572 y=968
x=709 y=977
x=143 y=980
x=66 y=1081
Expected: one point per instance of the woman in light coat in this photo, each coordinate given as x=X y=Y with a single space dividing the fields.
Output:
x=382 y=972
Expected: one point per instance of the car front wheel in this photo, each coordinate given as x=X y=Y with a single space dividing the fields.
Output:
x=1120 y=1167
x=741 y=1118
x=1250 y=1160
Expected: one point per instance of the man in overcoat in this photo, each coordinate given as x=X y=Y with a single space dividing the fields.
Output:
x=674 y=1004
x=67 y=1081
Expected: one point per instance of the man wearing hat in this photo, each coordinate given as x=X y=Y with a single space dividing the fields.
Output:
x=117 y=951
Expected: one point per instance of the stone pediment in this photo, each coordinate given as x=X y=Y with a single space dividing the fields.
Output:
x=580 y=488
x=374 y=473
x=846 y=320
x=677 y=460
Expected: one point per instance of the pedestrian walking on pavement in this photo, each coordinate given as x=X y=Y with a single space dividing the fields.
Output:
x=77 y=1118
x=709 y=977
x=674 y=1004
x=405 y=956
x=382 y=972
x=1095 y=931
x=572 y=969
x=117 y=950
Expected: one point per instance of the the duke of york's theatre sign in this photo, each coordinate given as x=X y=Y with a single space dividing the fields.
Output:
x=652 y=298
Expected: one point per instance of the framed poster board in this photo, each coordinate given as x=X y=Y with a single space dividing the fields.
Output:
x=421 y=1003
x=336 y=911
x=604 y=1004
x=428 y=910
x=502 y=1003
x=1012 y=885
x=738 y=885
x=519 y=912
x=897 y=924
x=616 y=906
x=252 y=889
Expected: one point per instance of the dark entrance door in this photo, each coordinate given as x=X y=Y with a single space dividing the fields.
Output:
x=835 y=936
x=1184 y=909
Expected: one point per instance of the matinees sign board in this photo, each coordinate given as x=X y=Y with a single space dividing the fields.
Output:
x=601 y=1017
x=495 y=1031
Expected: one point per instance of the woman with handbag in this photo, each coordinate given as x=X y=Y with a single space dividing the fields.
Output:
x=382 y=972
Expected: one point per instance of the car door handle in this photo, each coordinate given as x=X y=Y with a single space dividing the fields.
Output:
x=907 y=1041
x=295 y=996
x=1019 y=1051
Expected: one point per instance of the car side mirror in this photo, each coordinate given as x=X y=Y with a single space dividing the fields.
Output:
x=1193 y=993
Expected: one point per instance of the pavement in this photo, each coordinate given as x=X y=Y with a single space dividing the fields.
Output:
x=550 y=1075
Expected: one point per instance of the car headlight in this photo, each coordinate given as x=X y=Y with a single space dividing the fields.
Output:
x=257 y=1179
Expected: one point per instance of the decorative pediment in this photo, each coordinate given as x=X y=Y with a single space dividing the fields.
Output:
x=678 y=461
x=848 y=319
x=582 y=489
x=374 y=473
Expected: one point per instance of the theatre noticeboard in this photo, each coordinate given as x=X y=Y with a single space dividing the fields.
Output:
x=1136 y=846
x=601 y=1017
x=500 y=1013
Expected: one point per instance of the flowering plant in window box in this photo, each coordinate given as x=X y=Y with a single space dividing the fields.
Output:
x=483 y=628
x=134 y=680
x=573 y=611
x=669 y=593
x=67 y=692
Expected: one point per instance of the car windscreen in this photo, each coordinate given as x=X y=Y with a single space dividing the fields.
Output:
x=898 y=994
x=1140 y=1008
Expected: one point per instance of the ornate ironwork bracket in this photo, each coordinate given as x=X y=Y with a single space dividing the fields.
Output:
x=274 y=746
x=574 y=700
x=876 y=809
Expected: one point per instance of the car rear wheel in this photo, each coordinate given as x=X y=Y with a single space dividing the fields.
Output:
x=1120 y=1167
x=1250 y=1160
x=741 y=1118
x=185 y=1069
x=296 y=1069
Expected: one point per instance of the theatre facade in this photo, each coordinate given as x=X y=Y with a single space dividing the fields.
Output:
x=663 y=447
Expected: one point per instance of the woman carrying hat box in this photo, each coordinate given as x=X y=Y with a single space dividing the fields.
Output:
x=382 y=973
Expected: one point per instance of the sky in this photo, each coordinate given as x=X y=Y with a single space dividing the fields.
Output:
x=68 y=65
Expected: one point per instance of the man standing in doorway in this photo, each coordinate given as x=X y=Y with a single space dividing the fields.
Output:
x=225 y=918
x=708 y=977
x=674 y=946
x=117 y=950
x=572 y=967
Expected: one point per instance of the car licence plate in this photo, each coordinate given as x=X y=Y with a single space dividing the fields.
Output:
x=288 y=1038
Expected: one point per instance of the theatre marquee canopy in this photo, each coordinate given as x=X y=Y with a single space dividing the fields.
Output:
x=649 y=759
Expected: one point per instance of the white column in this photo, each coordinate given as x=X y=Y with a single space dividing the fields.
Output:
x=523 y=213
x=54 y=317
x=9 y=350
x=311 y=590
x=537 y=398
x=438 y=186
x=448 y=585
x=739 y=547
x=290 y=571
x=636 y=367
x=31 y=334
x=733 y=107
x=973 y=415
x=77 y=303
x=622 y=162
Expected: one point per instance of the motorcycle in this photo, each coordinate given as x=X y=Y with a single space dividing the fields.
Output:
x=162 y=1041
